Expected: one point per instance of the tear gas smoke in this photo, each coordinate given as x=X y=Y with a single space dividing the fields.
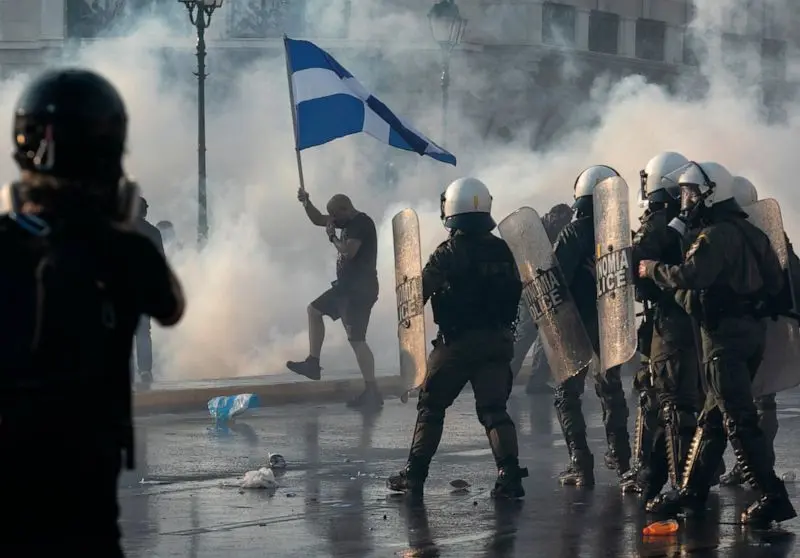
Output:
x=265 y=262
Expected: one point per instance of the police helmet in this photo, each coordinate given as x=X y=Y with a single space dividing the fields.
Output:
x=708 y=182
x=585 y=183
x=467 y=205
x=653 y=187
x=744 y=191
x=71 y=124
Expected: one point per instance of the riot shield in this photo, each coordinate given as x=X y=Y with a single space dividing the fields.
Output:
x=616 y=313
x=410 y=306
x=779 y=370
x=564 y=339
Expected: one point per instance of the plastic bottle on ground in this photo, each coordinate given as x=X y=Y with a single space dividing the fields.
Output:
x=661 y=528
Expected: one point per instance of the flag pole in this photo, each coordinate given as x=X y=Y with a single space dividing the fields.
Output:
x=294 y=115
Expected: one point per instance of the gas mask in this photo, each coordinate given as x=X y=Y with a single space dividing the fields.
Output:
x=696 y=191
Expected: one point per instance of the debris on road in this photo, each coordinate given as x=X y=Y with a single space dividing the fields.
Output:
x=276 y=461
x=227 y=407
x=262 y=478
x=668 y=527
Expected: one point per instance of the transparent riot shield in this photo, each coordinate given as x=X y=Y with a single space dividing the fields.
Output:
x=564 y=339
x=616 y=313
x=410 y=307
x=780 y=369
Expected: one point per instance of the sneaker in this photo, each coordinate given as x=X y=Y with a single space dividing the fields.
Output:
x=145 y=377
x=309 y=368
x=406 y=481
x=369 y=399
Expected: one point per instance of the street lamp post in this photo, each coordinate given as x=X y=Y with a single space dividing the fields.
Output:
x=447 y=28
x=200 y=12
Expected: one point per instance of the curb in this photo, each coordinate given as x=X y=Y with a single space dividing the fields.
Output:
x=196 y=399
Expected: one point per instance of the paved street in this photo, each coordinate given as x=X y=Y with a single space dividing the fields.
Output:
x=332 y=501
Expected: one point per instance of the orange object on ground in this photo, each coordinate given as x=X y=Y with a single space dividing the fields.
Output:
x=661 y=528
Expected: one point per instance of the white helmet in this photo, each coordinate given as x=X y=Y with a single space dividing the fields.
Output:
x=467 y=203
x=585 y=183
x=708 y=182
x=653 y=187
x=744 y=191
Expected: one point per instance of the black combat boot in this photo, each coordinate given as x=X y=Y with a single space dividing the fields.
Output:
x=705 y=451
x=618 y=455
x=509 y=482
x=753 y=457
x=410 y=480
x=772 y=506
x=580 y=472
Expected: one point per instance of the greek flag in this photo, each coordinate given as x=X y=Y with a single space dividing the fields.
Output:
x=330 y=103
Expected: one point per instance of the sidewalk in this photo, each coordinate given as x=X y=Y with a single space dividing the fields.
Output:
x=273 y=389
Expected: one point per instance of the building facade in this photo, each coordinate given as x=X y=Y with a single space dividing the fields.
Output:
x=614 y=37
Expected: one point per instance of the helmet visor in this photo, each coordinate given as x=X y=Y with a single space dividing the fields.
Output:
x=690 y=196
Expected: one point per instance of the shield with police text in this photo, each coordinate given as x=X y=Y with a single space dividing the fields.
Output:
x=779 y=370
x=410 y=305
x=616 y=313
x=564 y=339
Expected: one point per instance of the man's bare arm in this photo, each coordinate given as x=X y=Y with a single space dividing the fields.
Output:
x=315 y=215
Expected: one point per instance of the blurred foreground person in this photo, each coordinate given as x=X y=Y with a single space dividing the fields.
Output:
x=474 y=287
x=575 y=252
x=351 y=297
x=75 y=281
x=144 y=339
x=669 y=392
x=527 y=334
x=729 y=281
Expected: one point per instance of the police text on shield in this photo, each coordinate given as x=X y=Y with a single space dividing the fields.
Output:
x=613 y=271
x=409 y=299
x=545 y=293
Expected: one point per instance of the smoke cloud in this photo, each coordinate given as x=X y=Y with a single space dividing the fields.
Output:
x=249 y=288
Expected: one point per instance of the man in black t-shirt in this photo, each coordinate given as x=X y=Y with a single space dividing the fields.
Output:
x=351 y=297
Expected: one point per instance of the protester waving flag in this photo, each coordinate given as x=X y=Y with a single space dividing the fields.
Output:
x=329 y=103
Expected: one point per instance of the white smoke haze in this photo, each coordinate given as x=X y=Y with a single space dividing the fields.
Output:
x=249 y=288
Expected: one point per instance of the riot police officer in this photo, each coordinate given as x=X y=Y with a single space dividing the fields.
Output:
x=575 y=252
x=673 y=365
x=730 y=279
x=746 y=194
x=474 y=287
x=73 y=285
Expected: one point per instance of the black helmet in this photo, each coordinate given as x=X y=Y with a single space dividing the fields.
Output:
x=71 y=124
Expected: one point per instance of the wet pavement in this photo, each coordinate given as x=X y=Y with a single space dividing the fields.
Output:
x=332 y=501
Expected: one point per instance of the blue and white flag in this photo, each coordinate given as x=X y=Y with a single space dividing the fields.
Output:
x=330 y=103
